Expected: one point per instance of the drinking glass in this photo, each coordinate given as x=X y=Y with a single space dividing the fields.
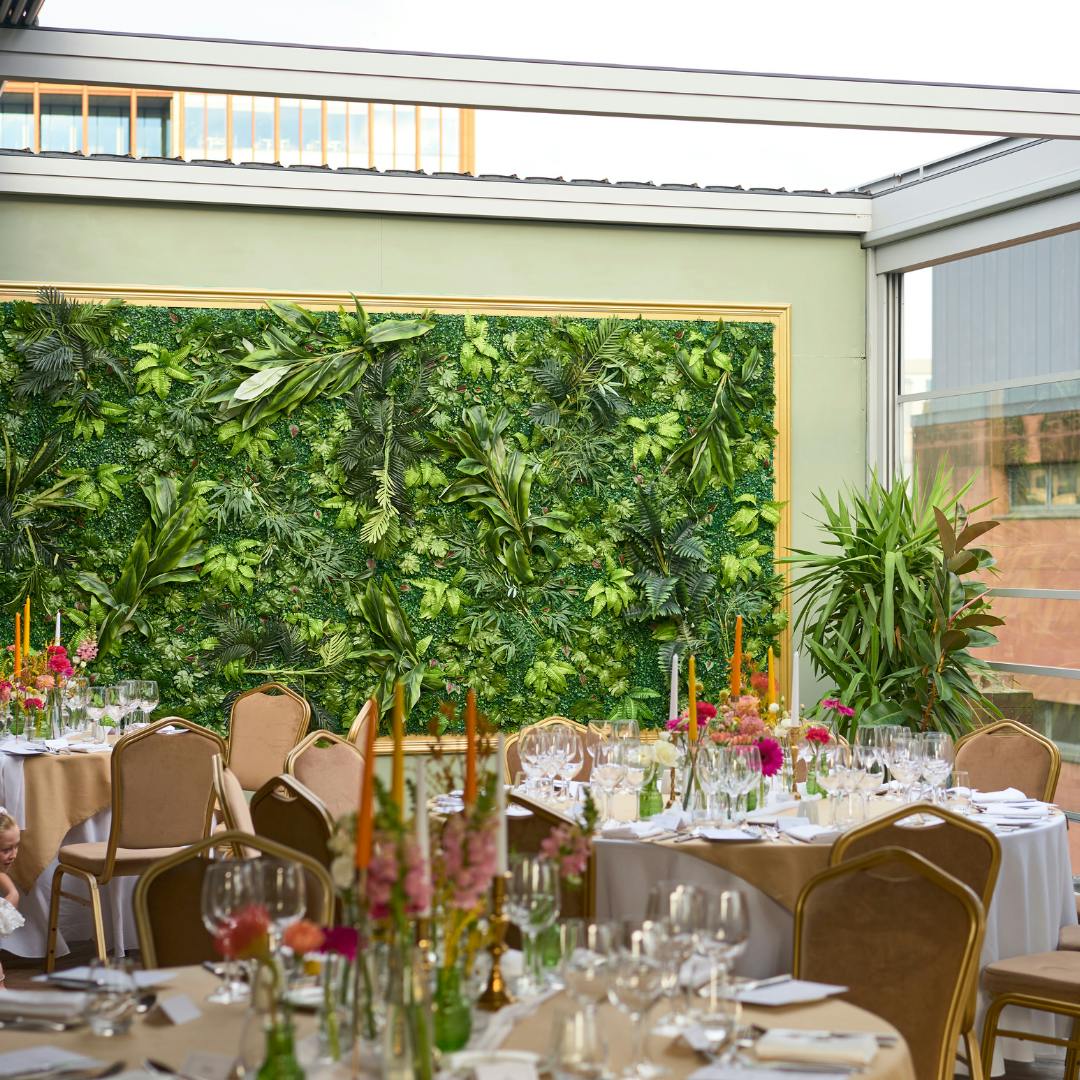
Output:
x=578 y=1048
x=533 y=904
x=529 y=752
x=111 y=997
x=936 y=753
x=746 y=763
x=228 y=888
x=102 y=704
x=607 y=773
x=148 y=698
x=625 y=728
x=573 y=760
x=587 y=953
x=717 y=1017
x=904 y=762
x=637 y=984
x=675 y=918
x=279 y=888
x=128 y=699
x=711 y=765
x=635 y=759
x=76 y=695
x=726 y=927
x=958 y=796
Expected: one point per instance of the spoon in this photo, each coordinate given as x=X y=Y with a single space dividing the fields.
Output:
x=145 y=1002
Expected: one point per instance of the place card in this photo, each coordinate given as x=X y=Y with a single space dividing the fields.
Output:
x=788 y=992
x=496 y=1064
x=202 y=1065
x=43 y=1059
x=179 y=1008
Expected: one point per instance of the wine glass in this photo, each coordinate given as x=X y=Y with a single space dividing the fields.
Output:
x=587 y=951
x=748 y=769
x=533 y=904
x=711 y=764
x=279 y=887
x=607 y=774
x=573 y=760
x=102 y=704
x=637 y=984
x=128 y=698
x=905 y=763
x=625 y=727
x=228 y=888
x=635 y=759
x=578 y=1046
x=936 y=754
x=726 y=927
x=678 y=910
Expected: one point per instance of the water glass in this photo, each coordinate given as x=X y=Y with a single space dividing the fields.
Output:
x=726 y=927
x=936 y=754
x=578 y=1048
x=717 y=1017
x=637 y=983
x=148 y=698
x=533 y=905
x=587 y=953
x=228 y=888
x=958 y=796
x=279 y=888
x=111 y=997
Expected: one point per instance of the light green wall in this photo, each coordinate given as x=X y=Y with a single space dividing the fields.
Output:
x=822 y=277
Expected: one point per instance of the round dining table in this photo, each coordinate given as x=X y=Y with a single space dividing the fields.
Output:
x=213 y=1038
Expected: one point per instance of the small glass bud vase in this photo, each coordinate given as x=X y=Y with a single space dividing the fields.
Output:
x=452 y=1015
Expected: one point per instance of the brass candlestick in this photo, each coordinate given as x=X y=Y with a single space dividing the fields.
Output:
x=793 y=750
x=495 y=996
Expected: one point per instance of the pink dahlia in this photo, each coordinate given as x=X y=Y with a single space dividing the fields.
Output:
x=772 y=756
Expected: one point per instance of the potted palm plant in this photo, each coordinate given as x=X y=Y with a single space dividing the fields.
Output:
x=890 y=611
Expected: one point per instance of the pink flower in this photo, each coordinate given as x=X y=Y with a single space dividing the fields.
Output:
x=33 y=703
x=342 y=940
x=86 y=650
x=772 y=756
x=44 y=682
x=568 y=846
x=837 y=706
x=58 y=660
x=384 y=876
x=467 y=859
x=818 y=735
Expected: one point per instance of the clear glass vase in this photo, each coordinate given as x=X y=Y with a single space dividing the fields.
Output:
x=337 y=981
x=407 y=1041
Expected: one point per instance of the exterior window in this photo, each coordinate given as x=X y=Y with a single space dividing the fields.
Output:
x=17 y=121
x=289 y=131
x=216 y=146
x=153 y=130
x=61 y=122
x=384 y=136
x=405 y=137
x=242 y=115
x=194 y=126
x=336 y=121
x=109 y=125
x=430 y=137
x=358 y=135
x=264 y=129
x=312 y=113
x=451 y=140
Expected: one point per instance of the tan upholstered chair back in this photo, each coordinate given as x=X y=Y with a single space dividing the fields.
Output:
x=234 y=809
x=367 y=716
x=512 y=759
x=168 y=899
x=904 y=937
x=331 y=767
x=264 y=725
x=284 y=810
x=1007 y=754
x=163 y=785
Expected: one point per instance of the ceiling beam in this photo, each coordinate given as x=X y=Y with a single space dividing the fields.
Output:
x=532 y=85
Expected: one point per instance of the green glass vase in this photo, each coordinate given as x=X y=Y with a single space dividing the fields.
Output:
x=280 y=1061
x=650 y=801
x=452 y=1015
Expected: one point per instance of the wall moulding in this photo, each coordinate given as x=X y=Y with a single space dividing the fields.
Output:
x=777 y=314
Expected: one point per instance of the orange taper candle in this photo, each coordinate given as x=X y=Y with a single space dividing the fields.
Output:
x=397 y=781
x=691 y=679
x=771 y=699
x=470 y=748
x=736 y=660
x=365 y=818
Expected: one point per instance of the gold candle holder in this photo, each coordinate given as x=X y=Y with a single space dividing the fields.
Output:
x=495 y=996
x=793 y=751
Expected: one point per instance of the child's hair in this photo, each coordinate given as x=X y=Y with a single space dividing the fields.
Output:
x=6 y=820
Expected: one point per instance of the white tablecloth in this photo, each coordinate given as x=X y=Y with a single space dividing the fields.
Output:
x=76 y=922
x=1032 y=902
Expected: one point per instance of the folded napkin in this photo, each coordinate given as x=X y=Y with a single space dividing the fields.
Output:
x=41 y=1005
x=89 y=747
x=1033 y=812
x=844 y=1048
x=727 y=834
x=673 y=819
x=632 y=830
x=1009 y=795
x=801 y=829
x=786 y=992
x=738 y=1071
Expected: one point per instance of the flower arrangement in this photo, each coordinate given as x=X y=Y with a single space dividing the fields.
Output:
x=570 y=844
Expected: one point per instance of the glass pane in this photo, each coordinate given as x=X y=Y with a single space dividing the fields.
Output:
x=153 y=134
x=430 y=137
x=61 y=122
x=217 y=147
x=1036 y=631
x=384 y=136
x=289 y=132
x=17 y=121
x=312 y=132
x=1021 y=447
x=916 y=332
x=404 y=136
x=1005 y=315
x=264 y=129
x=194 y=130
x=358 y=135
x=110 y=125
x=241 y=128
x=335 y=134
x=451 y=140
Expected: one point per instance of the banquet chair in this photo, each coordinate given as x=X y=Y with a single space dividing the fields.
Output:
x=369 y=714
x=904 y=937
x=229 y=797
x=162 y=800
x=952 y=843
x=331 y=767
x=283 y=809
x=168 y=898
x=264 y=725
x=1008 y=754
x=512 y=759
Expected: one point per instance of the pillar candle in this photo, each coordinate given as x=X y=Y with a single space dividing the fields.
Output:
x=771 y=700
x=796 y=708
x=673 y=704
x=470 y=748
x=397 y=785
x=365 y=820
x=502 y=854
x=26 y=630
x=421 y=820
x=691 y=682
x=18 y=642
x=736 y=660
x=56 y=639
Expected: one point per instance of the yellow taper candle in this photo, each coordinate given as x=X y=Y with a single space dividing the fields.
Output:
x=397 y=786
x=18 y=642
x=772 y=680
x=691 y=679
x=736 y=660
x=26 y=629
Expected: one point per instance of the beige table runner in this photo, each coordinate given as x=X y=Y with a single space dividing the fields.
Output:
x=60 y=791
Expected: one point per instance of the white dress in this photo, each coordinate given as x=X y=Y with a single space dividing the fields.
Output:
x=10 y=919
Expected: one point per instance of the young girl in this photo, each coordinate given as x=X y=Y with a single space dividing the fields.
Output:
x=10 y=919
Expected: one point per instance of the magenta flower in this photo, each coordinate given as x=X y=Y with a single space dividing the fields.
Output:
x=568 y=846
x=772 y=756
x=837 y=706
x=86 y=650
x=33 y=703
x=341 y=940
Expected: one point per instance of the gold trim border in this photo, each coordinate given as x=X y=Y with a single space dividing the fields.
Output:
x=779 y=314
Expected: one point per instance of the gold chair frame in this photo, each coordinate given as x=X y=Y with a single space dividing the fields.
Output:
x=548 y=721
x=975 y=1064
x=1022 y=729
x=976 y=930
x=294 y=788
x=358 y=721
x=281 y=688
x=93 y=881
x=203 y=850
x=1070 y=1011
x=310 y=740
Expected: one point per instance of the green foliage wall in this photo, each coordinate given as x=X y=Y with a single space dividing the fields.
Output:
x=352 y=540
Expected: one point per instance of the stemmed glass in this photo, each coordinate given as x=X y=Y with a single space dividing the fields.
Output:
x=711 y=765
x=102 y=703
x=573 y=759
x=228 y=888
x=607 y=773
x=637 y=984
x=936 y=753
x=726 y=927
x=148 y=698
x=905 y=763
x=279 y=888
x=529 y=747
x=128 y=693
x=675 y=915
x=625 y=728
x=533 y=904
x=634 y=758
x=587 y=953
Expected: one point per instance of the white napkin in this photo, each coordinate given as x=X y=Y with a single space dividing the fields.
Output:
x=631 y=830
x=42 y=1059
x=727 y=834
x=763 y=1072
x=789 y=992
x=89 y=747
x=672 y=818
x=1033 y=811
x=803 y=830
x=845 y=1048
x=143 y=979
x=41 y=1004
x=1007 y=796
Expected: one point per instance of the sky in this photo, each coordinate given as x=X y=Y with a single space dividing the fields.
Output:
x=972 y=41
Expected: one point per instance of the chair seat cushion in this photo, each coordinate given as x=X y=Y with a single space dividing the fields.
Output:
x=1069 y=938
x=91 y=858
x=1049 y=974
